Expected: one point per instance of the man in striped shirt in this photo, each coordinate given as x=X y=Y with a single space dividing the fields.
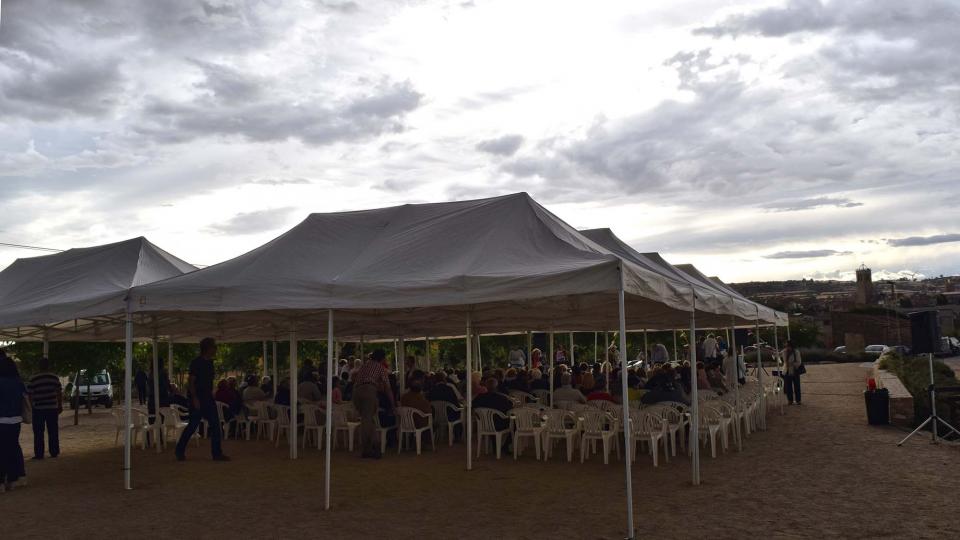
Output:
x=46 y=397
x=371 y=379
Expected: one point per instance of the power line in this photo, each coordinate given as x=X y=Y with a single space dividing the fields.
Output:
x=35 y=248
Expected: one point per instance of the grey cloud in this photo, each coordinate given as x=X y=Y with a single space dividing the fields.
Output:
x=254 y=222
x=227 y=84
x=924 y=240
x=809 y=204
x=811 y=254
x=881 y=49
x=281 y=181
x=340 y=7
x=506 y=145
x=275 y=119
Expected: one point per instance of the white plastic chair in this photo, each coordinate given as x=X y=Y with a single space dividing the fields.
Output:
x=559 y=425
x=265 y=421
x=137 y=426
x=343 y=424
x=710 y=424
x=311 y=426
x=284 y=423
x=598 y=426
x=487 y=429
x=382 y=432
x=524 y=397
x=440 y=417
x=407 y=419
x=648 y=428
x=173 y=423
x=527 y=422
x=543 y=396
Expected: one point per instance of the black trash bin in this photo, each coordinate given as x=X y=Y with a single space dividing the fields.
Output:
x=878 y=406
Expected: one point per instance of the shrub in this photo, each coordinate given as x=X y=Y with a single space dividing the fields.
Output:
x=914 y=373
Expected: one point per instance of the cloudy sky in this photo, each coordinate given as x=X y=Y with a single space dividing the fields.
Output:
x=758 y=140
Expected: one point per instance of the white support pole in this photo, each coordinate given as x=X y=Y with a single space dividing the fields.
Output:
x=626 y=414
x=157 y=428
x=676 y=356
x=468 y=410
x=293 y=392
x=606 y=346
x=552 y=374
x=329 y=423
x=595 y=352
x=646 y=348
x=528 y=361
x=169 y=358
x=426 y=353
x=264 y=366
x=276 y=371
x=46 y=344
x=127 y=401
x=763 y=404
x=402 y=368
x=788 y=327
x=694 y=398
x=362 y=357
x=479 y=354
x=570 y=356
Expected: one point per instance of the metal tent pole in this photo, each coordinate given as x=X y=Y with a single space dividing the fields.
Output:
x=402 y=368
x=626 y=413
x=468 y=421
x=328 y=431
x=676 y=356
x=276 y=373
x=595 y=352
x=646 y=348
x=476 y=342
x=157 y=428
x=266 y=367
x=763 y=400
x=528 y=360
x=572 y=357
x=552 y=375
x=293 y=392
x=127 y=401
x=426 y=348
x=170 y=357
x=694 y=397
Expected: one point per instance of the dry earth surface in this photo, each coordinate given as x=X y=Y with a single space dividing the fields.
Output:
x=818 y=471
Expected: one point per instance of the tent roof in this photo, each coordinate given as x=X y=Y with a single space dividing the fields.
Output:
x=417 y=269
x=709 y=299
x=778 y=317
x=81 y=282
x=758 y=310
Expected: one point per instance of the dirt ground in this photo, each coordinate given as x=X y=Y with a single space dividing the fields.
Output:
x=818 y=471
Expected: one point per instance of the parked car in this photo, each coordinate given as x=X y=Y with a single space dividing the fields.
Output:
x=840 y=350
x=949 y=346
x=874 y=350
x=100 y=392
x=901 y=350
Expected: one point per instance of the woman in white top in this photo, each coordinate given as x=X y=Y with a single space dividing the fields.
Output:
x=792 y=369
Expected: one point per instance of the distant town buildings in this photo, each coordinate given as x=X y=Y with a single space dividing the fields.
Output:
x=859 y=313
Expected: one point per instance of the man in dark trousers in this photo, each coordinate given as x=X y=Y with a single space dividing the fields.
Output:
x=202 y=405
x=140 y=380
x=46 y=397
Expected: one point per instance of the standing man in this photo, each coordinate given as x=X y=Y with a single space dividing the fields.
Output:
x=370 y=379
x=202 y=405
x=46 y=397
x=140 y=380
x=711 y=351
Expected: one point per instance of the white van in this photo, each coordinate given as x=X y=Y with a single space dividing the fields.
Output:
x=101 y=390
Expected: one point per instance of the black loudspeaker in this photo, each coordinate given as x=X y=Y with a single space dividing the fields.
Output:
x=925 y=331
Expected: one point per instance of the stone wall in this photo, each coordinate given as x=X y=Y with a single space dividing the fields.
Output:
x=901 y=401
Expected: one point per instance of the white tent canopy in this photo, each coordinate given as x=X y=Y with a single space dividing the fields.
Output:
x=70 y=295
x=779 y=317
x=717 y=305
x=416 y=270
x=764 y=313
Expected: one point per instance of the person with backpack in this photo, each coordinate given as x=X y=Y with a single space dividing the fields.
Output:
x=792 y=369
